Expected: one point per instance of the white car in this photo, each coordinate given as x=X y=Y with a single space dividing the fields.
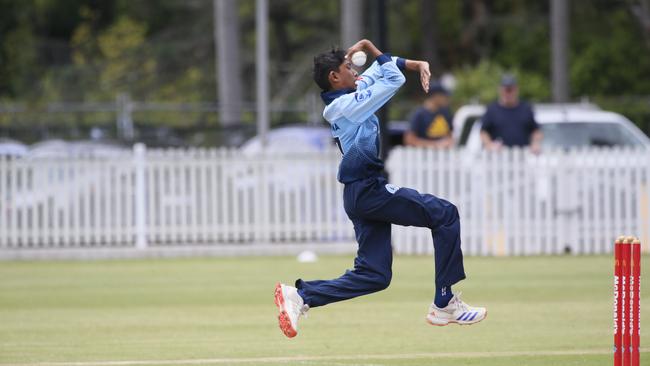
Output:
x=13 y=148
x=292 y=139
x=59 y=149
x=564 y=126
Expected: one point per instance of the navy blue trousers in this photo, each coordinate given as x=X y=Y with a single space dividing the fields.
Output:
x=373 y=205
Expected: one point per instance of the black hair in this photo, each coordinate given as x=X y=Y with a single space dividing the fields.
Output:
x=324 y=64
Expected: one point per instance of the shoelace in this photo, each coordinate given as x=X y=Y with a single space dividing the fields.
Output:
x=461 y=305
x=301 y=310
x=304 y=309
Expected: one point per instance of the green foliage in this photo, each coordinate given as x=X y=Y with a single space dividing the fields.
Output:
x=19 y=51
x=163 y=50
x=118 y=54
x=524 y=43
x=450 y=21
x=480 y=83
x=614 y=61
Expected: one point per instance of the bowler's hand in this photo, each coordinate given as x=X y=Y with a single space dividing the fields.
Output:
x=359 y=46
x=422 y=67
x=425 y=75
x=363 y=45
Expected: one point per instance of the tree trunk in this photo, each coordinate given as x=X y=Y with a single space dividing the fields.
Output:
x=229 y=81
x=429 y=38
x=351 y=22
x=559 y=50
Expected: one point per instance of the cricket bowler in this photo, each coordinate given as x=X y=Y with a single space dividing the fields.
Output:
x=370 y=201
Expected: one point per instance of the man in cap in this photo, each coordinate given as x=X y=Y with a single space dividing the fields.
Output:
x=509 y=121
x=430 y=124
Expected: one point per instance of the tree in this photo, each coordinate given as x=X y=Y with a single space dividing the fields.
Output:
x=228 y=62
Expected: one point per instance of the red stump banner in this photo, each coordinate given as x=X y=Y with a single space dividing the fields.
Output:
x=618 y=303
x=635 y=302
x=625 y=269
x=627 y=301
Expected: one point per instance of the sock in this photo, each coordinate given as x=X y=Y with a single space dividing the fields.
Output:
x=302 y=294
x=443 y=295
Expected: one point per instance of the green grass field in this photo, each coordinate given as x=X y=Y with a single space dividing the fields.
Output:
x=542 y=311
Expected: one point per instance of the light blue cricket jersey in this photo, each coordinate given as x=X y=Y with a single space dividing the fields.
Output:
x=351 y=114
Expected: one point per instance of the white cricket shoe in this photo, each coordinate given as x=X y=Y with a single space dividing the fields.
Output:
x=455 y=312
x=291 y=307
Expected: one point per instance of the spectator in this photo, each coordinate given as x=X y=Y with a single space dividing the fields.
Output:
x=430 y=124
x=510 y=121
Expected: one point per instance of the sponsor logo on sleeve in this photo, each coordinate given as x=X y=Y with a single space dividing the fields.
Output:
x=362 y=95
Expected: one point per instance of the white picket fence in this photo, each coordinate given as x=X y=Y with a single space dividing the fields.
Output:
x=511 y=203
x=517 y=203
x=171 y=197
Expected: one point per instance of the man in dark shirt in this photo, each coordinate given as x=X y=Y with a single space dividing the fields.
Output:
x=430 y=124
x=509 y=121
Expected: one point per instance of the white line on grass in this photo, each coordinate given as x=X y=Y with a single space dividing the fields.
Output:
x=397 y=356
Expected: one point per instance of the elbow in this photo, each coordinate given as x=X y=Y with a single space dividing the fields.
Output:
x=407 y=138
x=411 y=139
x=400 y=79
x=396 y=80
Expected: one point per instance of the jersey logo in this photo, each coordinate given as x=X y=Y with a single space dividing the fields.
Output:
x=335 y=127
x=391 y=188
x=439 y=127
x=362 y=95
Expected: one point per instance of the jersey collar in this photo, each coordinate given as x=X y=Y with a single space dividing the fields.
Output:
x=328 y=97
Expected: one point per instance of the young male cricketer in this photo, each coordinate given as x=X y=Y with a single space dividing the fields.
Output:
x=370 y=202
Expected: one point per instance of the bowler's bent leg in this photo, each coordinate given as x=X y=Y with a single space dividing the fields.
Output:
x=371 y=273
x=408 y=207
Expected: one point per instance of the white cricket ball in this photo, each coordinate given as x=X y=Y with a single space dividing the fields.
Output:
x=359 y=58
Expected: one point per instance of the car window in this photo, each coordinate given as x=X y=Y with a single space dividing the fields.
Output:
x=576 y=134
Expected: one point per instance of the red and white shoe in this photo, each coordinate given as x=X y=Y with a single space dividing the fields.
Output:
x=291 y=307
x=456 y=311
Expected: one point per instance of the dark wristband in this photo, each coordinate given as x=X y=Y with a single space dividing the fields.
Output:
x=401 y=63
x=383 y=58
